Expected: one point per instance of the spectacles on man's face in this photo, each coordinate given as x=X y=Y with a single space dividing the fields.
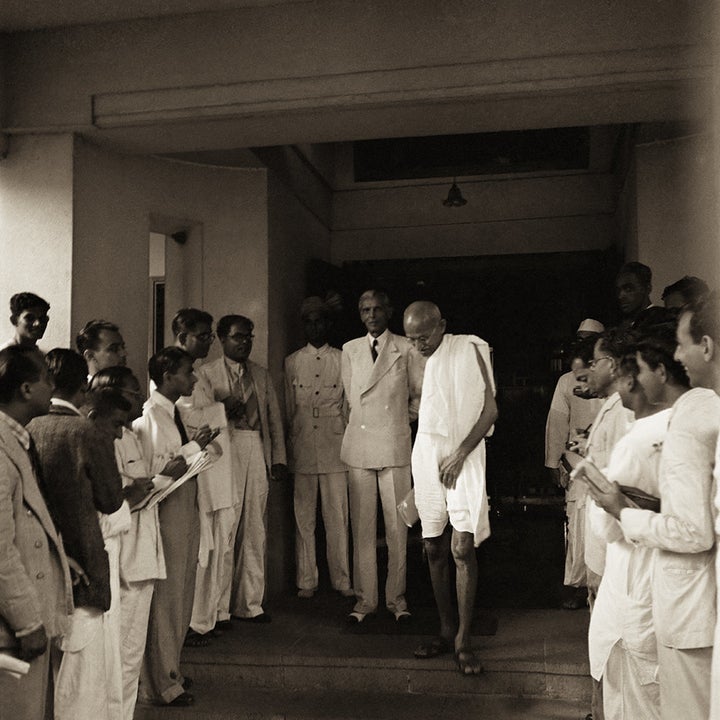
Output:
x=595 y=361
x=423 y=340
x=241 y=337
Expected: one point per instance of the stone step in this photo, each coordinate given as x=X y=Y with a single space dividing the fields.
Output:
x=534 y=654
x=232 y=702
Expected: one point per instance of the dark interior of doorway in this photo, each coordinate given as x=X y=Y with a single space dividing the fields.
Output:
x=527 y=307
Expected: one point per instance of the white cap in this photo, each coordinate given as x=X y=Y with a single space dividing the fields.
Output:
x=591 y=326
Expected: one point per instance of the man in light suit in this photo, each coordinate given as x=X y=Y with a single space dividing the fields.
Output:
x=257 y=447
x=35 y=586
x=379 y=375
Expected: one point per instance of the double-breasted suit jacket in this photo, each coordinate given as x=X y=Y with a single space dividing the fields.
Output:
x=384 y=400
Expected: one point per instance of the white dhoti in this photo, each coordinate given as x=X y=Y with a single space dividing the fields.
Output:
x=465 y=505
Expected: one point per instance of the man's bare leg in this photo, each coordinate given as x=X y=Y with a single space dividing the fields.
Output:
x=463 y=551
x=437 y=550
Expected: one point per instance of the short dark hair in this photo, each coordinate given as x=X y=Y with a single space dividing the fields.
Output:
x=614 y=341
x=89 y=337
x=656 y=345
x=582 y=349
x=227 y=321
x=104 y=401
x=705 y=317
x=168 y=360
x=67 y=368
x=690 y=287
x=18 y=365
x=642 y=272
x=188 y=320
x=111 y=377
x=23 y=301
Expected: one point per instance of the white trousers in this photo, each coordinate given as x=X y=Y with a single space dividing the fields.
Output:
x=244 y=582
x=209 y=580
x=393 y=484
x=625 y=696
x=684 y=683
x=89 y=684
x=333 y=489
x=135 y=601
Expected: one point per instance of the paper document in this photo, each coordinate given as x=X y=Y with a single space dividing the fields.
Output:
x=196 y=464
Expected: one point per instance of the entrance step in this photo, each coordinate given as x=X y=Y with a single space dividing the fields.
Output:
x=230 y=702
x=535 y=654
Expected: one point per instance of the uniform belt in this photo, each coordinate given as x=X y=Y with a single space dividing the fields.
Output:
x=318 y=412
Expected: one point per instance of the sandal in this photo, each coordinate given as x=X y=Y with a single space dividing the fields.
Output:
x=467 y=662
x=194 y=639
x=437 y=646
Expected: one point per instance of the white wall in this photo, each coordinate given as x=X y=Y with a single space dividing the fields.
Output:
x=36 y=217
x=677 y=220
x=119 y=199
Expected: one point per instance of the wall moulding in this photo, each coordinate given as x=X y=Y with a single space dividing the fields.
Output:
x=674 y=68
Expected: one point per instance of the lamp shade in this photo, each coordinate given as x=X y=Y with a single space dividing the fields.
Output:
x=454 y=197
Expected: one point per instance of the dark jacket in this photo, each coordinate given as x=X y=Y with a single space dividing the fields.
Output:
x=80 y=479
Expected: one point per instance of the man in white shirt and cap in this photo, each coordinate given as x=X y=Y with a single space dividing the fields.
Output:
x=457 y=412
x=316 y=413
x=568 y=423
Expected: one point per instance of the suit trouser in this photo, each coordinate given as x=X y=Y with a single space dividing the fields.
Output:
x=171 y=606
x=393 y=484
x=135 y=601
x=684 y=683
x=30 y=697
x=334 y=505
x=209 y=579
x=625 y=694
x=247 y=588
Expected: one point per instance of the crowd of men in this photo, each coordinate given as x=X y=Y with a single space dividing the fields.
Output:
x=632 y=435
x=131 y=527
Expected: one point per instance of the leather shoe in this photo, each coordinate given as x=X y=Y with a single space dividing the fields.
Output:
x=403 y=617
x=262 y=618
x=355 y=618
x=223 y=626
x=183 y=700
x=187 y=683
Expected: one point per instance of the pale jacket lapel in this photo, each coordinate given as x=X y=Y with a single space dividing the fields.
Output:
x=388 y=356
x=31 y=492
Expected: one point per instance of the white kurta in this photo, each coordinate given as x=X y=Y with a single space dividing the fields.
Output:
x=217 y=494
x=453 y=397
x=622 y=615
x=141 y=563
x=683 y=535
x=612 y=422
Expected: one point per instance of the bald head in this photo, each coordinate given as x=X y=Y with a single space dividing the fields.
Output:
x=424 y=326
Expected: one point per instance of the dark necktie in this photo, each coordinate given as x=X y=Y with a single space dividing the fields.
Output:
x=373 y=350
x=180 y=427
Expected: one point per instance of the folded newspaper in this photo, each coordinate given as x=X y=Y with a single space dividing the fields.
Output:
x=196 y=464
x=12 y=665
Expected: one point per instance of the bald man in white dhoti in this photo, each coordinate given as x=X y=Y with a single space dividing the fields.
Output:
x=457 y=411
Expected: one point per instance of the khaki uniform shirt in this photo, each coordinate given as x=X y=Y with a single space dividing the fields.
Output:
x=316 y=409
